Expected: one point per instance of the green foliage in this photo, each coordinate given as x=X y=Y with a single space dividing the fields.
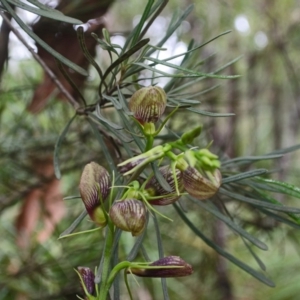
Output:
x=111 y=136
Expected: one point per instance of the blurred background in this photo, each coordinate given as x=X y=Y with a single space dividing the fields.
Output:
x=264 y=39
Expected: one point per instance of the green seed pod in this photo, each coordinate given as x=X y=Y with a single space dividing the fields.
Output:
x=154 y=188
x=94 y=187
x=199 y=186
x=129 y=215
x=171 y=266
x=148 y=104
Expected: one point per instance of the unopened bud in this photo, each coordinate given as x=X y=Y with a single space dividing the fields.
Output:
x=171 y=266
x=148 y=104
x=88 y=278
x=154 y=188
x=129 y=215
x=199 y=186
x=94 y=188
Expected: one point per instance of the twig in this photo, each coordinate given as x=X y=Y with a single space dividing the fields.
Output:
x=70 y=98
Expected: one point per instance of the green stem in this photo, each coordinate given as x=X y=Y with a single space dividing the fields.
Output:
x=106 y=263
x=108 y=283
x=149 y=143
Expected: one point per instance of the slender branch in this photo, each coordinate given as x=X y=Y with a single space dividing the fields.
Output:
x=53 y=77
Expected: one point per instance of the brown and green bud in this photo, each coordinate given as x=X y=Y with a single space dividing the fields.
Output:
x=148 y=104
x=199 y=186
x=94 y=188
x=154 y=188
x=129 y=215
x=88 y=277
x=171 y=266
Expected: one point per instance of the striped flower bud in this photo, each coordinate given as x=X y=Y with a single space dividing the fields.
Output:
x=148 y=104
x=199 y=186
x=154 y=188
x=88 y=278
x=94 y=188
x=129 y=215
x=171 y=266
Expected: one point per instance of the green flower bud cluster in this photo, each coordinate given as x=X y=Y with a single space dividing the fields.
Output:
x=192 y=171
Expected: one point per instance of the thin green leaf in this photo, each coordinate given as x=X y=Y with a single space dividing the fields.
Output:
x=213 y=210
x=227 y=64
x=279 y=218
x=125 y=56
x=164 y=184
x=210 y=114
x=114 y=101
x=161 y=255
x=104 y=148
x=138 y=28
x=53 y=14
x=123 y=102
x=249 y=159
x=118 y=133
x=42 y=43
x=100 y=118
x=172 y=28
x=72 y=197
x=74 y=225
x=158 y=8
x=267 y=197
x=259 y=203
x=244 y=175
x=139 y=142
x=257 y=259
x=138 y=243
x=191 y=72
x=286 y=150
x=57 y=148
x=281 y=187
x=196 y=48
x=70 y=81
x=195 y=94
x=89 y=57
x=43 y=6
x=184 y=101
x=222 y=252
x=104 y=45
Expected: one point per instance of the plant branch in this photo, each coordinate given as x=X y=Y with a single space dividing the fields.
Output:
x=53 y=77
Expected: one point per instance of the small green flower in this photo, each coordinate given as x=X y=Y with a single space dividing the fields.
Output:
x=94 y=188
x=130 y=165
x=129 y=215
x=148 y=104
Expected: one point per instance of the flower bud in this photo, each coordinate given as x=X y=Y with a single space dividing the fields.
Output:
x=88 y=278
x=171 y=266
x=129 y=215
x=199 y=186
x=94 y=188
x=154 y=188
x=148 y=104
